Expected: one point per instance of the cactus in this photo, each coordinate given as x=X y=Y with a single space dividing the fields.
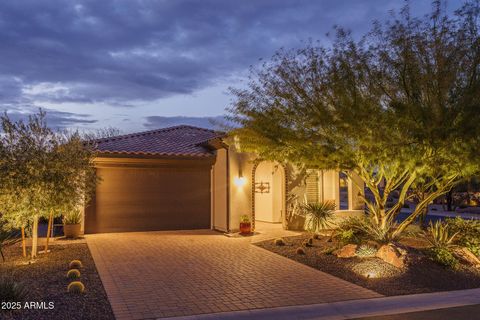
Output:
x=75 y=264
x=300 y=250
x=73 y=274
x=365 y=251
x=76 y=287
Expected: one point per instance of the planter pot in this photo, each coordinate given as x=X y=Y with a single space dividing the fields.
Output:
x=245 y=227
x=71 y=230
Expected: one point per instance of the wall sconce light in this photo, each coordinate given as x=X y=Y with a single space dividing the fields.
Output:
x=240 y=181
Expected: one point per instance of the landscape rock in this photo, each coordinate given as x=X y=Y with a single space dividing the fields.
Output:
x=466 y=256
x=347 y=251
x=390 y=254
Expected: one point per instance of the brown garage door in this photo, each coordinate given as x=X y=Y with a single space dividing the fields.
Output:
x=145 y=199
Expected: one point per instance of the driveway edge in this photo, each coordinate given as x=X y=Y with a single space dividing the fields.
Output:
x=355 y=308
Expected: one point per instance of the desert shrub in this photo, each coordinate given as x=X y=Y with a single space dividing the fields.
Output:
x=329 y=251
x=73 y=274
x=76 y=287
x=300 y=250
x=11 y=290
x=365 y=228
x=279 y=242
x=440 y=235
x=365 y=251
x=75 y=264
x=319 y=215
x=443 y=256
x=468 y=233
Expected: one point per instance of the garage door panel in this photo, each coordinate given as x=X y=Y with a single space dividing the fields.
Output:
x=140 y=199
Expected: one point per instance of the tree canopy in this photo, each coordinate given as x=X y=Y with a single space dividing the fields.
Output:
x=400 y=105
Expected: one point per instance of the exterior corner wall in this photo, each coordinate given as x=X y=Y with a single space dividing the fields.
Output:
x=240 y=197
x=219 y=191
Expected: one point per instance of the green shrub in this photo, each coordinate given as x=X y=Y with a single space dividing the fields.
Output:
x=279 y=242
x=329 y=251
x=73 y=274
x=319 y=215
x=365 y=251
x=76 y=287
x=300 y=250
x=443 y=256
x=75 y=264
x=468 y=233
x=347 y=236
x=11 y=290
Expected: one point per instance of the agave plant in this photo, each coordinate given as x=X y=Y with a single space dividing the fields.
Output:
x=319 y=215
x=439 y=235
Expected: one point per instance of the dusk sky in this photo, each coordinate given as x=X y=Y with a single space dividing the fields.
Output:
x=139 y=65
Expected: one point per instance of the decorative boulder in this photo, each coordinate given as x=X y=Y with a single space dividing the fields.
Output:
x=466 y=256
x=347 y=251
x=390 y=254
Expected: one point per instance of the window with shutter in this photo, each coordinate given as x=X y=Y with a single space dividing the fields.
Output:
x=312 y=186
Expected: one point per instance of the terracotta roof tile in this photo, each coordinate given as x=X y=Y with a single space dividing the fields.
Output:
x=173 y=141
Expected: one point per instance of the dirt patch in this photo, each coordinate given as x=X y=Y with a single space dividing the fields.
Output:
x=420 y=276
x=47 y=282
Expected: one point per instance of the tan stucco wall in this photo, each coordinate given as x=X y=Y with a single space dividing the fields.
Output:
x=220 y=192
x=240 y=200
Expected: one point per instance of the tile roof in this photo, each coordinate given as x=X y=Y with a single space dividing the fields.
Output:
x=180 y=140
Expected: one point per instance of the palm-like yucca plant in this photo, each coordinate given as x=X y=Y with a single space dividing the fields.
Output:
x=319 y=215
x=439 y=235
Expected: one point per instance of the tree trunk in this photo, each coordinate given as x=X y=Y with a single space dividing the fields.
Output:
x=35 y=236
x=49 y=229
x=24 y=244
x=449 y=197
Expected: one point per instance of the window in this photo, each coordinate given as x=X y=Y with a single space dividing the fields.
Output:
x=312 y=186
x=343 y=191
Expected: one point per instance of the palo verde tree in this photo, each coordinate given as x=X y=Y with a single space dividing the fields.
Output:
x=399 y=108
x=45 y=173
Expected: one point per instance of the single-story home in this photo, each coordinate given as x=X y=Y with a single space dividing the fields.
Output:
x=185 y=177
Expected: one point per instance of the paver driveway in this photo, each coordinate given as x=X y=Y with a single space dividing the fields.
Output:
x=150 y=275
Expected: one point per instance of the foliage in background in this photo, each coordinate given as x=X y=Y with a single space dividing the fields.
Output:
x=468 y=233
x=398 y=107
x=42 y=172
x=319 y=215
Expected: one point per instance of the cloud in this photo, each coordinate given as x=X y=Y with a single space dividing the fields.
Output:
x=55 y=119
x=124 y=51
x=215 y=123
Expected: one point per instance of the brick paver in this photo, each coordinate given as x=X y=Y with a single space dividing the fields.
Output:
x=163 y=274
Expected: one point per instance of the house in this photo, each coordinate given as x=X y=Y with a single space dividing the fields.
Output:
x=185 y=177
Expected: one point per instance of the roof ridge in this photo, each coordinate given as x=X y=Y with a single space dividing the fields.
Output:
x=154 y=131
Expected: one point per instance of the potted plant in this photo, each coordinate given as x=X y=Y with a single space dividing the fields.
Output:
x=245 y=224
x=72 y=224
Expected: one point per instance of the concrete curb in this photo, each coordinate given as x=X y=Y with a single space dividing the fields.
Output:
x=354 y=308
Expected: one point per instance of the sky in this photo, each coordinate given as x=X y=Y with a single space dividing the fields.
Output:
x=144 y=64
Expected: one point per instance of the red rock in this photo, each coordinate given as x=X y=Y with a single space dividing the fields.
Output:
x=467 y=257
x=390 y=254
x=347 y=251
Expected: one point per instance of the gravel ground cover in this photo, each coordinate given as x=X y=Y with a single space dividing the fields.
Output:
x=421 y=276
x=47 y=282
